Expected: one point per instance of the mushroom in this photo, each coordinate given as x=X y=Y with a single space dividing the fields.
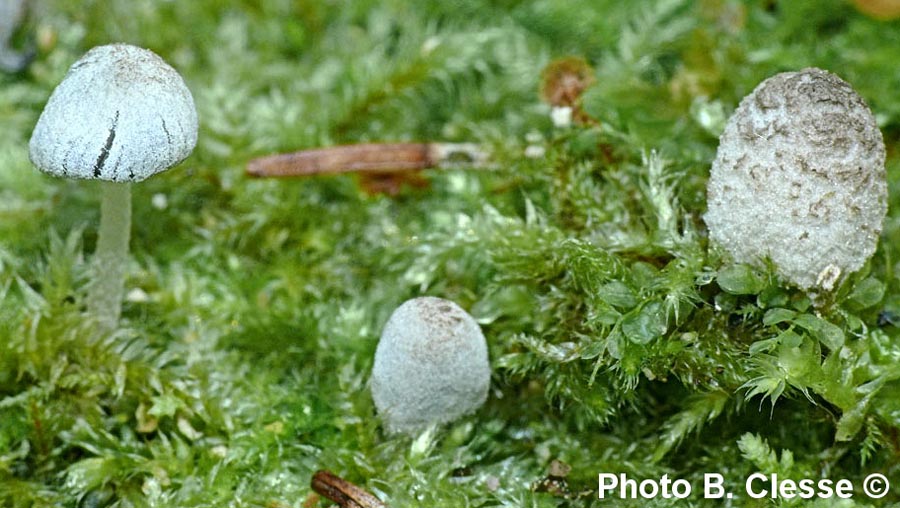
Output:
x=799 y=178
x=431 y=365
x=120 y=115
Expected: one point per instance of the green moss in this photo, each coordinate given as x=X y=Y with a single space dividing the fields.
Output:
x=620 y=341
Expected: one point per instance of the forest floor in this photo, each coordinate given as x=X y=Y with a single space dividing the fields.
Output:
x=620 y=340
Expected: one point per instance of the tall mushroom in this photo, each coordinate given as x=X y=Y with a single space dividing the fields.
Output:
x=120 y=115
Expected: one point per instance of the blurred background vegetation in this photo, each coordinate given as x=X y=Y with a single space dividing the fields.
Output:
x=620 y=340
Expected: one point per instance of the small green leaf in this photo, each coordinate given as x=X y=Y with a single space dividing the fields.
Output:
x=761 y=346
x=617 y=294
x=603 y=314
x=593 y=350
x=643 y=274
x=789 y=338
x=801 y=303
x=645 y=325
x=615 y=344
x=833 y=385
x=798 y=358
x=773 y=296
x=775 y=316
x=830 y=335
x=851 y=421
x=854 y=323
x=866 y=293
x=740 y=280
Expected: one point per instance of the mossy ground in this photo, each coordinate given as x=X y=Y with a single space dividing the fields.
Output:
x=620 y=341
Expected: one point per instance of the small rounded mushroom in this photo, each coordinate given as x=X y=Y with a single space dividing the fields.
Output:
x=431 y=365
x=799 y=178
x=120 y=115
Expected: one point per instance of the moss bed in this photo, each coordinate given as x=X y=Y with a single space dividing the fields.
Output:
x=620 y=340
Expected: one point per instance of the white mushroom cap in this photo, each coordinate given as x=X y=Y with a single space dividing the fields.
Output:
x=121 y=114
x=799 y=178
x=431 y=365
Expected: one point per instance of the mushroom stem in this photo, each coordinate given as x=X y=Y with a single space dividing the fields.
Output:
x=111 y=256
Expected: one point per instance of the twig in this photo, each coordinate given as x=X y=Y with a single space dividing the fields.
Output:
x=342 y=492
x=367 y=158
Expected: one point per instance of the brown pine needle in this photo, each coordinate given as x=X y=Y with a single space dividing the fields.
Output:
x=366 y=158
